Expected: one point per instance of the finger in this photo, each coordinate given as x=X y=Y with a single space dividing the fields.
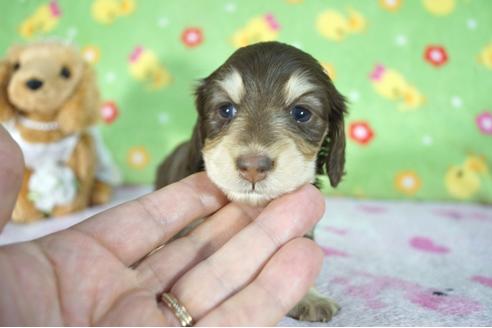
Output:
x=239 y=260
x=133 y=309
x=160 y=270
x=11 y=170
x=282 y=283
x=133 y=229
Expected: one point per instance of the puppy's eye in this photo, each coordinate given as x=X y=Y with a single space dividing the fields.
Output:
x=227 y=111
x=16 y=66
x=300 y=114
x=65 y=72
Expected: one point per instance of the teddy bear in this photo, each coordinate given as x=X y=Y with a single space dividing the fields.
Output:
x=49 y=103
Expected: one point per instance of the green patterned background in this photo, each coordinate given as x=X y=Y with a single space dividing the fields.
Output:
x=418 y=75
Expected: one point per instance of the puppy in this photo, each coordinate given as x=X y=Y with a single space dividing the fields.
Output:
x=269 y=120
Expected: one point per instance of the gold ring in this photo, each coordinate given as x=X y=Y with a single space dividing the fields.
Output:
x=179 y=310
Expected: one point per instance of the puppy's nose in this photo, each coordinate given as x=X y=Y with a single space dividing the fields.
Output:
x=254 y=168
x=34 y=84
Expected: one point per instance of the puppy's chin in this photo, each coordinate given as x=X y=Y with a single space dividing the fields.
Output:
x=249 y=198
x=263 y=194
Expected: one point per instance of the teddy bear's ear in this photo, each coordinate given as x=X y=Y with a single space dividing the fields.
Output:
x=81 y=109
x=6 y=109
x=14 y=52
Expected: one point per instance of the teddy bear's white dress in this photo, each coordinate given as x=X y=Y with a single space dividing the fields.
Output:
x=53 y=182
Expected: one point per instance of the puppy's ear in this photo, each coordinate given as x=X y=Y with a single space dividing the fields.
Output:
x=331 y=158
x=194 y=156
x=81 y=109
x=199 y=133
x=187 y=158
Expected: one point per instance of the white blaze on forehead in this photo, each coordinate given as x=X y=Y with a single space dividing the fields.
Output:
x=233 y=85
x=297 y=85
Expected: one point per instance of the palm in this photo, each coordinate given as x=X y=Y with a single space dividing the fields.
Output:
x=225 y=271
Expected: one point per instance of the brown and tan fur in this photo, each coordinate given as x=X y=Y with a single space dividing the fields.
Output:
x=264 y=82
x=72 y=102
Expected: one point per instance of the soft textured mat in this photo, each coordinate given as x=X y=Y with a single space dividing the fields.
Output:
x=406 y=264
x=387 y=263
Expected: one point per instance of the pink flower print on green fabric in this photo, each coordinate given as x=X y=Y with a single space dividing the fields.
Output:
x=484 y=122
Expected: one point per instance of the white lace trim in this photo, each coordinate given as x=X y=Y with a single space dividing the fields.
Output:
x=37 y=125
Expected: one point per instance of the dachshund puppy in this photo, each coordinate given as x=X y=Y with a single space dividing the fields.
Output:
x=269 y=120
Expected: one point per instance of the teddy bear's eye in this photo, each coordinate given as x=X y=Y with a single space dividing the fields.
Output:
x=65 y=72
x=16 y=66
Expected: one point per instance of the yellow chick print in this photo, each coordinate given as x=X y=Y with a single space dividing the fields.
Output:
x=485 y=56
x=392 y=85
x=258 y=29
x=43 y=20
x=145 y=67
x=390 y=5
x=329 y=70
x=335 y=26
x=107 y=11
x=439 y=7
x=463 y=181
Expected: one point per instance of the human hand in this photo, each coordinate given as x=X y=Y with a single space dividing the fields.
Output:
x=11 y=170
x=242 y=266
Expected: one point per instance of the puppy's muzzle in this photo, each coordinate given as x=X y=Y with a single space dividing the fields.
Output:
x=254 y=168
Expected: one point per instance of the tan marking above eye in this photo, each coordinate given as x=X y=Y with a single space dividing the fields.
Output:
x=233 y=85
x=297 y=85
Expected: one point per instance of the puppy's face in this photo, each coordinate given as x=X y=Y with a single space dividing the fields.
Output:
x=267 y=118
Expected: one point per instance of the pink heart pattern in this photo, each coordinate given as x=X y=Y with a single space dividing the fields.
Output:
x=328 y=251
x=428 y=245
x=337 y=231
x=486 y=281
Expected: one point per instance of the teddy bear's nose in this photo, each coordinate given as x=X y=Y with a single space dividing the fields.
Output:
x=34 y=84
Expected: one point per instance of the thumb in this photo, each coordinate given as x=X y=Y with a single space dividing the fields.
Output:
x=11 y=170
